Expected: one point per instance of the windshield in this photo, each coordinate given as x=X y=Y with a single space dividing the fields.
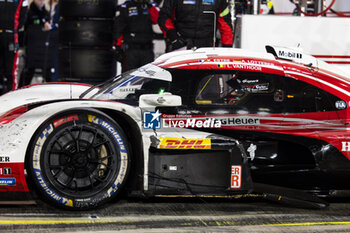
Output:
x=148 y=79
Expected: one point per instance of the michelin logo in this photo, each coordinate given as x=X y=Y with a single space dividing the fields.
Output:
x=7 y=181
x=151 y=120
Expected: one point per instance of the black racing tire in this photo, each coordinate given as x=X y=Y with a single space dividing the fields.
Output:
x=87 y=8
x=86 y=65
x=86 y=33
x=79 y=159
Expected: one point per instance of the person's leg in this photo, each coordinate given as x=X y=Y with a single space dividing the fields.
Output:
x=131 y=60
x=147 y=56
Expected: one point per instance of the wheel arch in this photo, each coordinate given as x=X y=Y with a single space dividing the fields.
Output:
x=131 y=131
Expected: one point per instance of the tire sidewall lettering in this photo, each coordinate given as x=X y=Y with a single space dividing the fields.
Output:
x=37 y=168
x=94 y=200
x=122 y=149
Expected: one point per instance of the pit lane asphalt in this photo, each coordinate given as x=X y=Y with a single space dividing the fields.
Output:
x=177 y=215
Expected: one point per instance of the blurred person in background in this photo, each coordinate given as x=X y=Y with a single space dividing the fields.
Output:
x=37 y=23
x=53 y=8
x=133 y=33
x=191 y=23
x=12 y=17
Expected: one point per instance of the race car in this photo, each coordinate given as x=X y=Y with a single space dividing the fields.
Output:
x=210 y=122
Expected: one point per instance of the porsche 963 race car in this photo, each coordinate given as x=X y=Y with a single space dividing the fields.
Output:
x=208 y=122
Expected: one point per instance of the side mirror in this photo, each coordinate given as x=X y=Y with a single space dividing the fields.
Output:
x=159 y=100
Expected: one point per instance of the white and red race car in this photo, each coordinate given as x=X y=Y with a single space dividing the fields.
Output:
x=213 y=122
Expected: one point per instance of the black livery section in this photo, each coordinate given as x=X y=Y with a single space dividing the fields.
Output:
x=221 y=170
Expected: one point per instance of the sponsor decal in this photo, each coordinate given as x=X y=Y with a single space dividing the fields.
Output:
x=345 y=146
x=128 y=89
x=236 y=176
x=192 y=123
x=4 y=159
x=65 y=119
x=340 y=104
x=182 y=143
x=250 y=81
x=240 y=121
x=289 y=54
x=251 y=150
x=191 y=2
x=151 y=120
x=7 y=181
x=155 y=120
x=133 y=11
x=110 y=129
x=5 y=171
x=208 y=2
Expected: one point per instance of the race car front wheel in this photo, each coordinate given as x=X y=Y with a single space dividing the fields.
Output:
x=79 y=159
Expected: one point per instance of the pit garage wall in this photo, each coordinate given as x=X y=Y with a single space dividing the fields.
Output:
x=324 y=37
x=285 y=6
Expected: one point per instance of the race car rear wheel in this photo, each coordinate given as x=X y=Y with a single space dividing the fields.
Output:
x=79 y=159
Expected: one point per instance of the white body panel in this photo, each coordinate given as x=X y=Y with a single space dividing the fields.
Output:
x=16 y=135
x=44 y=92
